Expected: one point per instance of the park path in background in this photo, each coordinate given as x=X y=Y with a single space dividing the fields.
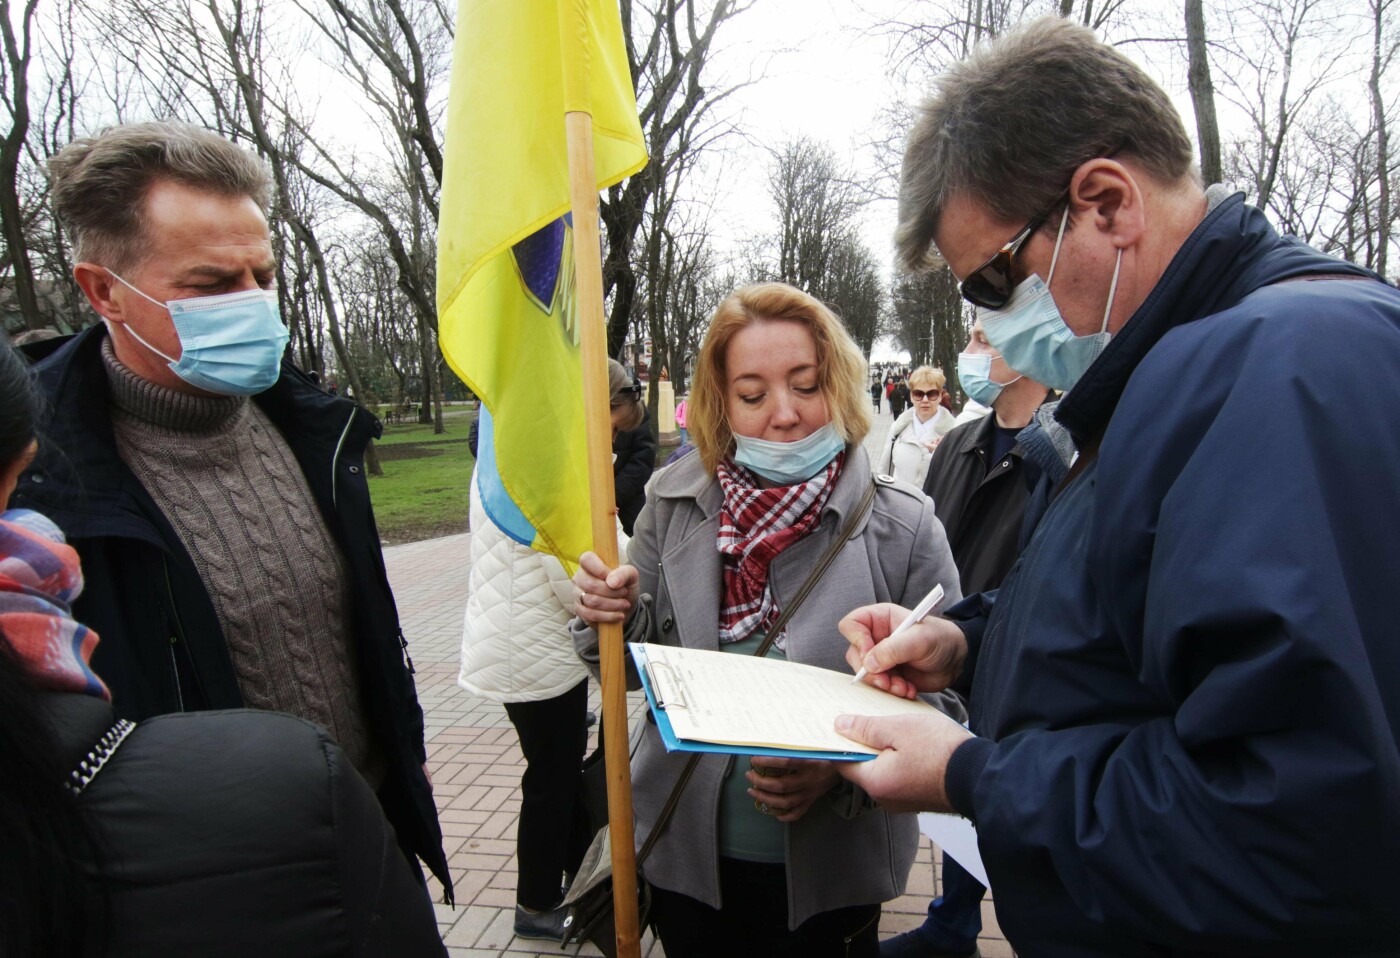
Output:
x=476 y=764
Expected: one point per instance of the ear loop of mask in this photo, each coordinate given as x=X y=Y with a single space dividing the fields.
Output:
x=1112 y=291
x=1055 y=258
x=127 y=326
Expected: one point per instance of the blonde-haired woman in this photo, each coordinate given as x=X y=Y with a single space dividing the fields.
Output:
x=767 y=856
x=918 y=431
x=516 y=650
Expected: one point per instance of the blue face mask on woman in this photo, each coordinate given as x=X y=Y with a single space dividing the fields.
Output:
x=1033 y=337
x=230 y=344
x=786 y=463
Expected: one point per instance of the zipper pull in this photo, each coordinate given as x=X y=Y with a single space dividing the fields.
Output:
x=407 y=659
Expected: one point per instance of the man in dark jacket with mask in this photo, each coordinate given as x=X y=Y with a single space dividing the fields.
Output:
x=216 y=496
x=1185 y=698
x=980 y=480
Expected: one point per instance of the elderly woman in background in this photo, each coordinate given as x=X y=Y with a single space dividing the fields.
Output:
x=915 y=434
x=767 y=855
x=516 y=650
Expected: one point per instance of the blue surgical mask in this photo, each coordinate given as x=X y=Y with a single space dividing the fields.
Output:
x=975 y=374
x=230 y=344
x=789 y=462
x=1032 y=336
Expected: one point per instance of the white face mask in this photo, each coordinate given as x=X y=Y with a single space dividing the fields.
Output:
x=1032 y=336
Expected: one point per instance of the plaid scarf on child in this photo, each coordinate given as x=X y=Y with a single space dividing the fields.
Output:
x=39 y=578
x=755 y=524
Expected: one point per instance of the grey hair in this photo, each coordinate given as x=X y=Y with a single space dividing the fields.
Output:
x=622 y=392
x=1007 y=127
x=100 y=183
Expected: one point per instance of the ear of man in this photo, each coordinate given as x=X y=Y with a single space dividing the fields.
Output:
x=100 y=288
x=1109 y=194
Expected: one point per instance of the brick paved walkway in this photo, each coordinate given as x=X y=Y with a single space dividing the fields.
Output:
x=476 y=765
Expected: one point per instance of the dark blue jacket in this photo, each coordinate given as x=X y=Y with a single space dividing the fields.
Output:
x=1189 y=685
x=162 y=648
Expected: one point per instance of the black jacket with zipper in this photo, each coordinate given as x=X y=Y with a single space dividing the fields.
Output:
x=162 y=648
x=234 y=833
x=980 y=504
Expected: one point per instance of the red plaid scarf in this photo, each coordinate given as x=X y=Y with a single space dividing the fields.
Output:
x=755 y=524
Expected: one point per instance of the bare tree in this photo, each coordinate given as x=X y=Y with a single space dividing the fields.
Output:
x=1383 y=47
x=669 y=44
x=931 y=320
x=855 y=290
x=1202 y=91
x=14 y=90
x=1275 y=81
x=816 y=203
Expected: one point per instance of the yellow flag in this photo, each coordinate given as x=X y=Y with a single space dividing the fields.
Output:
x=506 y=317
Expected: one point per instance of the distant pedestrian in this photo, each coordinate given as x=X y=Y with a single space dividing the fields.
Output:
x=680 y=422
x=916 y=432
x=875 y=392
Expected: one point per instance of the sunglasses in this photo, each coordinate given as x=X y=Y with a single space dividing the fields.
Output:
x=926 y=393
x=627 y=394
x=990 y=285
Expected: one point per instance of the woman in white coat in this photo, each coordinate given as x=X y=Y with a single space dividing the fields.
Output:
x=918 y=430
x=516 y=649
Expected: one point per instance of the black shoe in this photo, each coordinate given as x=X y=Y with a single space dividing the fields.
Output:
x=911 y=944
x=546 y=925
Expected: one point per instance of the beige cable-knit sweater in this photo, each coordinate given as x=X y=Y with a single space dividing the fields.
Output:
x=227 y=482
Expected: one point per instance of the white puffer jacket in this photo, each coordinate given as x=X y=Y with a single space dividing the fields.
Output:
x=515 y=644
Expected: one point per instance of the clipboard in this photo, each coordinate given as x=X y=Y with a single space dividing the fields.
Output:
x=666 y=693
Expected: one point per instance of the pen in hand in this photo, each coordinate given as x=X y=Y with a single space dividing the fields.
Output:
x=921 y=611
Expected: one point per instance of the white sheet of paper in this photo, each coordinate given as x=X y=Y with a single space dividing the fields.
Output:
x=956 y=836
x=742 y=700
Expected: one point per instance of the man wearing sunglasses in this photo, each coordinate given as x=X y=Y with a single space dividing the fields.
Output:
x=1185 y=697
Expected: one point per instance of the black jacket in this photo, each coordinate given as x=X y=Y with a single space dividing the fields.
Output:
x=162 y=648
x=981 y=511
x=635 y=461
x=236 y=833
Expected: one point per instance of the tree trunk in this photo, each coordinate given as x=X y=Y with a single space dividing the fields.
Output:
x=1382 y=138
x=425 y=377
x=1202 y=92
x=11 y=149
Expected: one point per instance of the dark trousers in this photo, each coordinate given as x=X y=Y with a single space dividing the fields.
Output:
x=753 y=920
x=552 y=834
x=954 y=918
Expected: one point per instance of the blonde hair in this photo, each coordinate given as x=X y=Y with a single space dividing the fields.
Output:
x=841 y=369
x=926 y=377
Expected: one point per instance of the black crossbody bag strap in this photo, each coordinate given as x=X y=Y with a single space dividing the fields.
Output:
x=824 y=563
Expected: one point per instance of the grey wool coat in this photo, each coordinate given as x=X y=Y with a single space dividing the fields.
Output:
x=844 y=851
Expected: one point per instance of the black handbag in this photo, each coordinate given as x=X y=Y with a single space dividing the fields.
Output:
x=590 y=895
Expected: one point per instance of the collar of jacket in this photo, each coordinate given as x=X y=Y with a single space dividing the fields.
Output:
x=1231 y=253
x=980 y=437
x=687 y=478
x=902 y=423
x=80 y=481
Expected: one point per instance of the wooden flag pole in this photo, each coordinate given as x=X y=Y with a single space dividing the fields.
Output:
x=588 y=262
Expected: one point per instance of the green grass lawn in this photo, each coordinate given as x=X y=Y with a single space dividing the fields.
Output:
x=423 y=492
